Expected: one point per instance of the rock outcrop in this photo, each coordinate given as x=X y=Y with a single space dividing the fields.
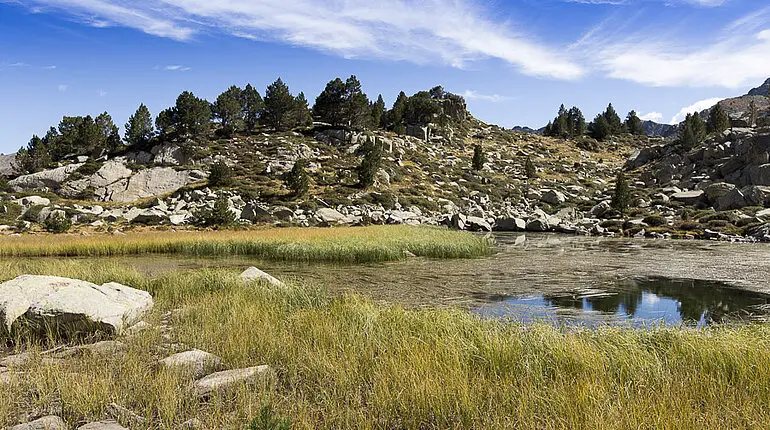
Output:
x=45 y=180
x=71 y=307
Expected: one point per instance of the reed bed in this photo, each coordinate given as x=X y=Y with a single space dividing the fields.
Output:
x=346 y=362
x=344 y=245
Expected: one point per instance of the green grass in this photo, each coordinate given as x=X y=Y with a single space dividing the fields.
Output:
x=346 y=362
x=347 y=245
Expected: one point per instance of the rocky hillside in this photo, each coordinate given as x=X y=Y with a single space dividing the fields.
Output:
x=458 y=172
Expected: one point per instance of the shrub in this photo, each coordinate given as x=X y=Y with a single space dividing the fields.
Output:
x=622 y=197
x=370 y=164
x=219 y=215
x=268 y=420
x=89 y=168
x=220 y=175
x=478 y=158
x=33 y=213
x=655 y=220
x=298 y=180
x=57 y=223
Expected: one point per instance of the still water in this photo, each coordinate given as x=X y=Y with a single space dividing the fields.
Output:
x=556 y=278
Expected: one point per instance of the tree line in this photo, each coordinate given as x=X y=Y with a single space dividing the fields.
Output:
x=570 y=124
x=237 y=110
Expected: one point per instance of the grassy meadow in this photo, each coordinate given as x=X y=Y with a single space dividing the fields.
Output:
x=345 y=245
x=346 y=362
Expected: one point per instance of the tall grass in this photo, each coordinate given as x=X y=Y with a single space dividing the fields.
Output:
x=346 y=362
x=349 y=245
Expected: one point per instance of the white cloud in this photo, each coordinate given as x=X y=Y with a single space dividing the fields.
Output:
x=493 y=98
x=49 y=67
x=102 y=93
x=456 y=32
x=62 y=88
x=736 y=56
x=652 y=116
x=176 y=68
x=695 y=107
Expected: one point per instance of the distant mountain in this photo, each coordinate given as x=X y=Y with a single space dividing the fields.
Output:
x=762 y=90
x=529 y=130
x=653 y=128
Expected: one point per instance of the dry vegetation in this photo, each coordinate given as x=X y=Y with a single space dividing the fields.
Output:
x=347 y=362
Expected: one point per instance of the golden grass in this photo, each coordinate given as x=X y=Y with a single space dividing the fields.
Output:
x=349 y=363
x=352 y=245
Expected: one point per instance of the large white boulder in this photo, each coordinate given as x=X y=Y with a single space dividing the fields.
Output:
x=151 y=182
x=252 y=274
x=71 y=306
x=52 y=178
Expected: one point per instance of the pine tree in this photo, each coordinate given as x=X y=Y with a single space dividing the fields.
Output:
x=220 y=175
x=529 y=168
x=302 y=116
x=329 y=105
x=576 y=122
x=622 y=197
x=687 y=136
x=165 y=123
x=297 y=179
x=478 y=158
x=252 y=104
x=139 y=129
x=613 y=121
x=108 y=136
x=718 y=120
x=370 y=164
x=279 y=104
x=229 y=109
x=600 y=128
x=356 y=105
x=192 y=115
x=378 y=112
x=634 y=124
x=396 y=114
x=698 y=127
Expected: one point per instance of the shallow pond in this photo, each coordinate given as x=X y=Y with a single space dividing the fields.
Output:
x=559 y=278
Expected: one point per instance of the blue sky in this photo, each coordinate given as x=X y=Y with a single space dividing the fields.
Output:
x=514 y=61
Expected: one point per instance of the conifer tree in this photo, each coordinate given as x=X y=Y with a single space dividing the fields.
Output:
x=600 y=128
x=478 y=158
x=329 y=105
x=718 y=120
x=356 y=106
x=252 y=104
x=378 y=112
x=529 y=168
x=613 y=121
x=622 y=197
x=396 y=114
x=634 y=124
x=139 y=129
x=229 y=109
x=297 y=179
x=370 y=164
x=576 y=122
x=687 y=136
x=279 y=104
x=302 y=116
x=192 y=115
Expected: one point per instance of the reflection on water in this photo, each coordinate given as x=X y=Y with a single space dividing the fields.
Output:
x=640 y=302
x=545 y=276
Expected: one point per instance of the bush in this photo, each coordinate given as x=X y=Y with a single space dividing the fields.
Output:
x=89 y=168
x=219 y=215
x=622 y=197
x=268 y=420
x=33 y=213
x=298 y=180
x=220 y=175
x=478 y=158
x=370 y=164
x=655 y=220
x=57 y=223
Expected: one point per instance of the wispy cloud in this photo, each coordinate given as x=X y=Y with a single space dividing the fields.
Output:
x=101 y=93
x=49 y=67
x=62 y=88
x=695 y=107
x=493 y=98
x=455 y=33
x=176 y=68
x=735 y=56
